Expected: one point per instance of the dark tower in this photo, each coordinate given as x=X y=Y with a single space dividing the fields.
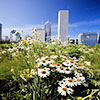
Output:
x=99 y=37
x=0 y=31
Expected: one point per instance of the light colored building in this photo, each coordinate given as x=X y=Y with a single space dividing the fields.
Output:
x=0 y=31
x=47 y=27
x=14 y=36
x=4 y=38
x=87 y=38
x=39 y=33
x=63 y=26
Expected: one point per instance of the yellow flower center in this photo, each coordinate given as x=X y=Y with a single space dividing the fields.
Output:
x=64 y=88
x=61 y=68
x=43 y=72
x=78 y=80
x=58 y=64
x=43 y=61
x=70 y=80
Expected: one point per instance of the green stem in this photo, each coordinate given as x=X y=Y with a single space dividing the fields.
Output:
x=91 y=94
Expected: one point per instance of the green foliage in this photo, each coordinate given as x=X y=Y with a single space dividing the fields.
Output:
x=12 y=86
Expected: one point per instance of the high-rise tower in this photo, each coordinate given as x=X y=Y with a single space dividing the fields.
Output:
x=47 y=27
x=63 y=25
x=99 y=37
x=0 y=31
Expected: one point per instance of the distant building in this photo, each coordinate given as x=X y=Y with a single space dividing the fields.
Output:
x=63 y=25
x=40 y=34
x=76 y=41
x=99 y=37
x=5 y=38
x=72 y=41
x=14 y=36
x=47 y=27
x=0 y=31
x=87 y=38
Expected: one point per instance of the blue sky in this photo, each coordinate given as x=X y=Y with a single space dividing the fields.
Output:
x=84 y=15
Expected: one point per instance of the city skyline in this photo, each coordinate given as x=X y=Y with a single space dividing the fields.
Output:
x=24 y=15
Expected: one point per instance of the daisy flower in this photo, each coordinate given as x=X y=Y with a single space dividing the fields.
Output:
x=62 y=83
x=53 y=70
x=80 y=76
x=85 y=84
x=70 y=91
x=66 y=63
x=62 y=90
x=58 y=65
x=69 y=82
x=44 y=57
x=39 y=59
x=67 y=71
x=48 y=61
x=52 y=65
x=60 y=69
x=34 y=71
x=43 y=73
x=43 y=63
x=79 y=66
x=53 y=56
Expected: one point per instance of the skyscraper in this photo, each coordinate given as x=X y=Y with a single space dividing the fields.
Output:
x=99 y=37
x=63 y=25
x=47 y=27
x=0 y=31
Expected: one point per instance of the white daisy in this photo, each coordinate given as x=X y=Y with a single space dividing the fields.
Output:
x=62 y=90
x=77 y=72
x=80 y=76
x=53 y=56
x=43 y=63
x=69 y=82
x=67 y=70
x=58 y=65
x=48 y=61
x=79 y=66
x=67 y=63
x=44 y=57
x=70 y=91
x=62 y=83
x=53 y=70
x=60 y=69
x=33 y=71
x=39 y=59
x=43 y=73
x=85 y=84
x=79 y=82
x=71 y=67
x=52 y=65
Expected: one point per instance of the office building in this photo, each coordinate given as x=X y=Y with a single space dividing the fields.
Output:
x=99 y=37
x=87 y=38
x=0 y=31
x=47 y=27
x=39 y=33
x=63 y=26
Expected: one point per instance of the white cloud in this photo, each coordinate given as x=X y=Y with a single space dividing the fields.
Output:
x=54 y=28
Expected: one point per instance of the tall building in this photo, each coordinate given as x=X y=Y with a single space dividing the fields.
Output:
x=0 y=31
x=39 y=33
x=99 y=37
x=63 y=26
x=47 y=27
x=87 y=38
